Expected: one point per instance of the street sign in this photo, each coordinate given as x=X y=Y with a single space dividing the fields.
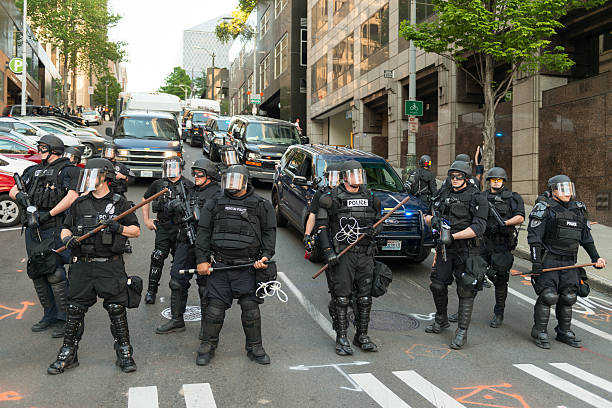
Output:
x=90 y=90
x=16 y=65
x=414 y=108
x=255 y=99
x=413 y=124
x=389 y=73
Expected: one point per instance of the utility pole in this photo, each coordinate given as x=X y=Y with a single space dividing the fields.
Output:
x=24 y=52
x=411 y=151
x=255 y=32
x=213 y=55
x=106 y=91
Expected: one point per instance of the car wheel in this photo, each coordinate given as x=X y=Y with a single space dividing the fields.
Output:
x=88 y=151
x=10 y=212
x=281 y=221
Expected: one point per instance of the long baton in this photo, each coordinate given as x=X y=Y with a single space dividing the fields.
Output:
x=360 y=237
x=117 y=218
x=559 y=268
x=222 y=268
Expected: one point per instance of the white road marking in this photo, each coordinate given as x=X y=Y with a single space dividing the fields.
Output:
x=10 y=229
x=575 y=322
x=355 y=387
x=584 y=376
x=143 y=397
x=310 y=308
x=378 y=391
x=565 y=386
x=199 y=396
x=429 y=391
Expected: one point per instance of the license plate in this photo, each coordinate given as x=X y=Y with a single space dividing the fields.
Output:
x=393 y=245
x=146 y=173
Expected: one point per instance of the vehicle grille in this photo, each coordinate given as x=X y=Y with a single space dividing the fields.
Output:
x=143 y=158
x=401 y=222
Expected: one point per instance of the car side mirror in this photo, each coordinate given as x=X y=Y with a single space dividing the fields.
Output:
x=305 y=139
x=109 y=131
x=301 y=181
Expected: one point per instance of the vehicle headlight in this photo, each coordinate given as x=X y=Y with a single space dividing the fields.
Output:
x=122 y=152
x=253 y=156
x=219 y=141
x=175 y=143
x=169 y=154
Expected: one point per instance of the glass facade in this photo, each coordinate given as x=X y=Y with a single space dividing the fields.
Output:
x=424 y=10
x=319 y=20
x=280 y=56
x=341 y=9
x=319 y=79
x=375 y=39
x=343 y=62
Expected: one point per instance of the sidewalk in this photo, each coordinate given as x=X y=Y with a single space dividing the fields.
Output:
x=600 y=279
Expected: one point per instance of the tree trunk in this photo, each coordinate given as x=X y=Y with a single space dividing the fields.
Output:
x=488 y=128
x=65 y=82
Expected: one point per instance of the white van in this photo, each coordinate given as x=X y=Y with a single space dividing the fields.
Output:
x=149 y=101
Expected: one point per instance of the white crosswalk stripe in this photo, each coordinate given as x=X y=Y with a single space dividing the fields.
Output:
x=378 y=391
x=196 y=396
x=429 y=391
x=585 y=376
x=143 y=397
x=564 y=385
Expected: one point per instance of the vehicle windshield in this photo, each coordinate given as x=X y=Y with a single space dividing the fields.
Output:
x=201 y=116
x=272 y=133
x=223 y=125
x=380 y=176
x=147 y=128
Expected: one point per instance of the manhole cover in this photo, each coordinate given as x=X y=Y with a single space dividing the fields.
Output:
x=389 y=321
x=192 y=314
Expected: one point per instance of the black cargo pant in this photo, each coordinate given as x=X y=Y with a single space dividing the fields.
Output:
x=353 y=274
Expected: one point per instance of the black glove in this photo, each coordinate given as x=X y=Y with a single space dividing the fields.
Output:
x=71 y=242
x=22 y=199
x=43 y=217
x=536 y=268
x=113 y=226
x=373 y=232
x=331 y=257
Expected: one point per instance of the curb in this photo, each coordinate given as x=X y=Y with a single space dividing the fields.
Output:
x=596 y=282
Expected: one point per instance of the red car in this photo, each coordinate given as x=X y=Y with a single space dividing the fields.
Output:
x=10 y=212
x=18 y=147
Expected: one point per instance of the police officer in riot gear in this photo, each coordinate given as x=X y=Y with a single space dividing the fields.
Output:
x=462 y=157
x=558 y=225
x=500 y=240
x=346 y=212
x=123 y=175
x=332 y=179
x=97 y=268
x=229 y=157
x=460 y=217
x=166 y=225
x=50 y=187
x=73 y=154
x=206 y=187
x=421 y=181
x=237 y=227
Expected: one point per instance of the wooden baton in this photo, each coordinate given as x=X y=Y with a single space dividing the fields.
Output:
x=558 y=268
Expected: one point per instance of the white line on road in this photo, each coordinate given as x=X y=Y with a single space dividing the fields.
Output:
x=10 y=229
x=429 y=391
x=143 y=397
x=378 y=391
x=565 y=386
x=577 y=323
x=584 y=376
x=310 y=308
x=199 y=396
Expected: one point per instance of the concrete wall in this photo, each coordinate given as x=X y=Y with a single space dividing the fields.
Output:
x=340 y=130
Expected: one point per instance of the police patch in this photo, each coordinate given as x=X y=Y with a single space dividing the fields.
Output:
x=571 y=223
x=360 y=202
x=234 y=209
x=534 y=223
x=110 y=208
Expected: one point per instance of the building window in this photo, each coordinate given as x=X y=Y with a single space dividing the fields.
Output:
x=241 y=99
x=319 y=20
x=264 y=73
x=375 y=39
x=265 y=23
x=341 y=9
x=319 y=79
x=424 y=10
x=280 y=56
x=343 y=62
x=279 y=5
x=303 y=47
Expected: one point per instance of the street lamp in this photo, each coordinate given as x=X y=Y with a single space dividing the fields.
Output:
x=185 y=87
x=212 y=55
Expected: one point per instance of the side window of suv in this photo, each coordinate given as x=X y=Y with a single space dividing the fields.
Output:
x=286 y=158
x=295 y=164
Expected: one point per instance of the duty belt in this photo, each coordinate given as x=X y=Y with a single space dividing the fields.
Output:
x=232 y=261
x=562 y=258
x=97 y=259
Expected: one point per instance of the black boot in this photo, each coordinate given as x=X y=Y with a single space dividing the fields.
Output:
x=453 y=317
x=541 y=314
x=213 y=322
x=332 y=312
x=362 y=320
x=154 y=277
x=501 y=292
x=251 y=324
x=343 y=346
x=67 y=357
x=121 y=332
x=564 y=318
x=44 y=296
x=178 y=304
x=466 y=305
x=440 y=297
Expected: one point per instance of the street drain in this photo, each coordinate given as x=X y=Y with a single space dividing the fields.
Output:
x=389 y=321
x=192 y=314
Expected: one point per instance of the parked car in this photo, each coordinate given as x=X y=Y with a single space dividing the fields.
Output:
x=216 y=135
x=194 y=126
x=261 y=142
x=93 y=144
x=10 y=211
x=92 y=117
x=34 y=132
x=39 y=110
x=405 y=234
x=18 y=146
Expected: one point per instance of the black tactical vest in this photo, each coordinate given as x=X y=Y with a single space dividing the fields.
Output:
x=104 y=243
x=198 y=196
x=160 y=204
x=351 y=212
x=564 y=227
x=419 y=183
x=237 y=227
x=501 y=203
x=455 y=207
x=46 y=187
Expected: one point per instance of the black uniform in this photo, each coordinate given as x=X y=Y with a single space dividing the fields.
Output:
x=343 y=216
x=234 y=231
x=555 y=232
x=121 y=186
x=422 y=184
x=47 y=185
x=97 y=270
x=167 y=229
x=499 y=241
x=462 y=209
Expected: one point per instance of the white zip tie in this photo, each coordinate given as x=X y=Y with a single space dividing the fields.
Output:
x=270 y=289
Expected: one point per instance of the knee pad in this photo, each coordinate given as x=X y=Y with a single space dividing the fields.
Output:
x=465 y=292
x=250 y=311
x=438 y=288
x=568 y=297
x=342 y=301
x=115 y=310
x=175 y=284
x=57 y=276
x=158 y=257
x=549 y=297
x=215 y=312
x=74 y=310
x=364 y=301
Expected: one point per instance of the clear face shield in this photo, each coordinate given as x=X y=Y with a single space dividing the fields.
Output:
x=72 y=157
x=233 y=182
x=565 y=189
x=108 y=153
x=90 y=179
x=229 y=157
x=172 y=169
x=355 y=177
x=333 y=178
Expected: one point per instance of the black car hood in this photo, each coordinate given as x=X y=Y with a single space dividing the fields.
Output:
x=268 y=151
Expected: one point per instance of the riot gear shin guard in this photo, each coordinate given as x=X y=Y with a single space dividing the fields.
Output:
x=120 y=330
x=203 y=306
x=331 y=307
x=466 y=306
x=343 y=347
x=67 y=356
x=213 y=322
x=541 y=314
x=563 y=311
x=440 y=296
x=178 y=304
x=251 y=324
x=157 y=264
x=501 y=293
x=362 y=320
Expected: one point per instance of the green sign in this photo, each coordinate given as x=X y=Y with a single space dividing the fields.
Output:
x=414 y=108
x=16 y=65
x=255 y=99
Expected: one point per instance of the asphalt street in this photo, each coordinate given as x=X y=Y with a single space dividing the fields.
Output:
x=498 y=367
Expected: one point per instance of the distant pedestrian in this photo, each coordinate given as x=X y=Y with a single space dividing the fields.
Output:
x=297 y=124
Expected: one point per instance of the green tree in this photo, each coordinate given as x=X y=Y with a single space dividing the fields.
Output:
x=176 y=83
x=228 y=30
x=493 y=33
x=200 y=85
x=114 y=88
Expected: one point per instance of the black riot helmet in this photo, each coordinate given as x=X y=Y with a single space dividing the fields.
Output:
x=173 y=167
x=463 y=157
x=205 y=165
x=353 y=173
x=53 y=143
x=109 y=150
x=332 y=173
x=425 y=161
x=74 y=154
x=462 y=167
x=497 y=172
x=96 y=171
x=562 y=184
x=234 y=179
